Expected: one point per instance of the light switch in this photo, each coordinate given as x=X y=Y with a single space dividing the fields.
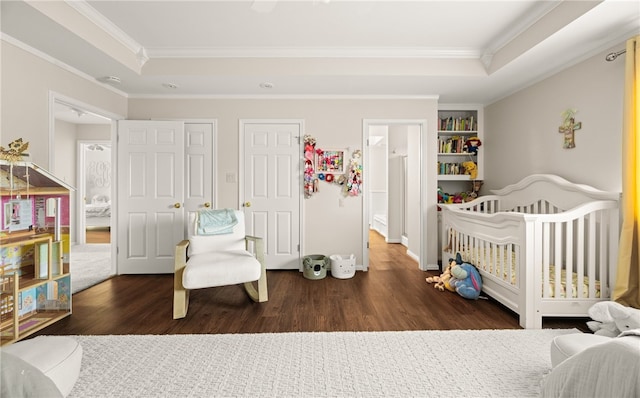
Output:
x=231 y=178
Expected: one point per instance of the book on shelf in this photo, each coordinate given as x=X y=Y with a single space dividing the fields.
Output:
x=451 y=123
x=453 y=144
x=451 y=168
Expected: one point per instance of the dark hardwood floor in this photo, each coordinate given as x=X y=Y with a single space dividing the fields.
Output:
x=392 y=295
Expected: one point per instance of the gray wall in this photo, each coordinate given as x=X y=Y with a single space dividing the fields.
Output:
x=521 y=131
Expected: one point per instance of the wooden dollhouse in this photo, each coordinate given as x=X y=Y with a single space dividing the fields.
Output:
x=35 y=282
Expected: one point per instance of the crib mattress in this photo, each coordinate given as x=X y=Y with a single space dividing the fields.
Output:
x=471 y=256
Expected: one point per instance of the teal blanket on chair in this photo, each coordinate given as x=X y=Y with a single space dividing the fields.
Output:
x=216 y=222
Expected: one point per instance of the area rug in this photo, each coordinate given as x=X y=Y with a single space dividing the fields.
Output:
x=90 y=264
x=460 y=363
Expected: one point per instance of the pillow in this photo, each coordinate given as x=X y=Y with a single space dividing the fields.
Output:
x=20 y=379
x=607 y=369
x=212 y=243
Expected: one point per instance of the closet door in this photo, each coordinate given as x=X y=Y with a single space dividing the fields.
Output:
x=150 y=195
x=198 y=177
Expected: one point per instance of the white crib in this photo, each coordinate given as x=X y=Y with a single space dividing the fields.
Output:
x=544 y=246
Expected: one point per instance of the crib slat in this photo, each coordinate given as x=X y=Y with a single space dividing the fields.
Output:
x=580 y=258
x=591 y=256
x=605 y=243
x=568 y=266
x=546 y=256
x=558 y=259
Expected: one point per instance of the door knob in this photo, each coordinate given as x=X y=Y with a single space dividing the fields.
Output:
x=246 y=204
x=176 y=205
x=207 y=204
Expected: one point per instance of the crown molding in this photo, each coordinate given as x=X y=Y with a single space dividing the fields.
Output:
x=82 y=7
x=46 y=57
x=539 y=10
x=284 y=97
x=317 y=52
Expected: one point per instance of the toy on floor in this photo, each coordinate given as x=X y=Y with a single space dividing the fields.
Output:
x=611 y=318
x=442 y=281
x=466 y=279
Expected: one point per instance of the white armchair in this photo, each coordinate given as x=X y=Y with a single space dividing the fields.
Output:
x=204 y=261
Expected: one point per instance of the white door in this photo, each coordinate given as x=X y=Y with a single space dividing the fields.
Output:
x=272 y=188
x=198 y=171
x=150 y=195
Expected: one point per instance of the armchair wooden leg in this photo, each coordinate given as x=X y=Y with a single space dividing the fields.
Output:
x=180 y=294
x=260 y=293
x=180 y=298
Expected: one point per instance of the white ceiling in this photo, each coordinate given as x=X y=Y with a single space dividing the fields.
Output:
x=475 y=51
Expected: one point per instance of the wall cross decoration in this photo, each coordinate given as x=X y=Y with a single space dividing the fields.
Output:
x=569 y=127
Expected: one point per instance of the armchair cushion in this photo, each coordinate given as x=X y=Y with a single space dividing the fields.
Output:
x=222 y=268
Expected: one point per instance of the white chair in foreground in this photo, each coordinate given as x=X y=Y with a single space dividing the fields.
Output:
x=204 y=261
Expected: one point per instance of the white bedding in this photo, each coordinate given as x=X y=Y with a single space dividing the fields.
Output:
x=98 y=210
x=609 y=369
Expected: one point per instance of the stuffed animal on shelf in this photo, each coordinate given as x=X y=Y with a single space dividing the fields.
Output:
x=466 y=279
x=475 y=189
x=470 y=168
x=442 y=281
x=472 y=145
x=611 y=318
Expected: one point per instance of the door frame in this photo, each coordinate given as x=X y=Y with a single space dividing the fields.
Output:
x=241 y=171
x=366 y=123
x=55 y=97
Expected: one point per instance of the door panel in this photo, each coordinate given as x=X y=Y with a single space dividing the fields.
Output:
x=150 y=213
x=198 y=167
x=272 y=189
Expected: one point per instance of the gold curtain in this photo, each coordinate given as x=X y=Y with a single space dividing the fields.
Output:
x=627 y=288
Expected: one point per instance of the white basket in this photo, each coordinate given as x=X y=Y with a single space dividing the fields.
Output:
x=343 y=266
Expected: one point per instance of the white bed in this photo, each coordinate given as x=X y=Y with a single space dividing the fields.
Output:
x=544 y=246
x=98 y=212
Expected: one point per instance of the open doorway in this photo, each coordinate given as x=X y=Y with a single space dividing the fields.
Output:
x=393 y=195
x=94 y=192
x=76 y=129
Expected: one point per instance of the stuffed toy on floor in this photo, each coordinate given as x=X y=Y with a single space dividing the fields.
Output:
x=442 y=282
x=611 y=318
x=466 y=279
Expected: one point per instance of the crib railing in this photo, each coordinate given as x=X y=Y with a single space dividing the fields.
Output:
x=525 y=258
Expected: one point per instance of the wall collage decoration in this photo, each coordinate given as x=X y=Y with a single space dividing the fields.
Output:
x=329 y=165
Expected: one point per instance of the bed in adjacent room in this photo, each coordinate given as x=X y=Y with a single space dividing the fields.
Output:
x=98 y=213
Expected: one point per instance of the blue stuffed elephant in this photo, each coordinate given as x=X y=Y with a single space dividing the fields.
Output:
x=466 y=279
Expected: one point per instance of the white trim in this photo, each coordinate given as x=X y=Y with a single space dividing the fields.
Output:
x=316 y=52
x=533 y=15
x=63 y=99
x=109 y=28
x=366 y=123
x=241 y=159
x=35 y=52
x=285 y=96
x=57 y=97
